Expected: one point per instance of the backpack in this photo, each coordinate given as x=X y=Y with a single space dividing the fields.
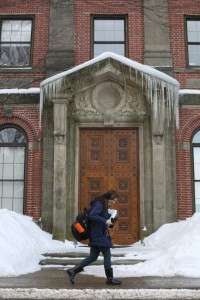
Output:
x=81 y=227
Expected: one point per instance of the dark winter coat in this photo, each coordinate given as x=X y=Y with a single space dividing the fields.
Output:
x=99 y=235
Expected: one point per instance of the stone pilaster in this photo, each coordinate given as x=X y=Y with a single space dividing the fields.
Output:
x=60 y=56
x=59 y=184
x=156 y=33
x=159 y=184
x=158 y=163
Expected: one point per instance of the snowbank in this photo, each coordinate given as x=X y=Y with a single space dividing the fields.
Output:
x=22 y=243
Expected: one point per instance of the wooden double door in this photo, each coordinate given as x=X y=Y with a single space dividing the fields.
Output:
x=109 y=160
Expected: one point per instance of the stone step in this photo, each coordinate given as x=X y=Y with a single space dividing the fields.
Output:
x=73 y=258
x=76 y=254
x=68 y=254
x=65 y=262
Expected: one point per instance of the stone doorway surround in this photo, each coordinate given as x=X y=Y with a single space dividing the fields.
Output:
x=109 y=91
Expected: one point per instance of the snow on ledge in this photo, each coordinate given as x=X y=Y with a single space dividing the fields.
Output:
x=181 y=92
x=20 y=91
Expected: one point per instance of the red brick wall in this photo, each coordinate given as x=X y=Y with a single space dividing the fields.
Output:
x=134 y=11
x=177 y=11
x=189 y=118
x=189 y=121
x=27 y=119
x=27 y=116
x=40 y=10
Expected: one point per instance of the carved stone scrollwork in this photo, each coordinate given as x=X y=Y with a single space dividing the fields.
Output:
x=133 y=106
x=158 y=139
x=82 y=106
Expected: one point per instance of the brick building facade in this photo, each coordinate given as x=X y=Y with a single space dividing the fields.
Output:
x=19 y=106
x=43 y=39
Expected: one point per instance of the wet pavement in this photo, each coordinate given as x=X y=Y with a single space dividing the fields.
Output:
x=53 y=283
x=55 y=278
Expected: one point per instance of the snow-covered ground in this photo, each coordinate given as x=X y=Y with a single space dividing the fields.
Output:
x=170 y=251
x=100 y=294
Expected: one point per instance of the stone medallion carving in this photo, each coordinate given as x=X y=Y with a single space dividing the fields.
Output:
x=108 y=97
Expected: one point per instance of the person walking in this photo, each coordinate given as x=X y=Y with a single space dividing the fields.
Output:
x=99 y=240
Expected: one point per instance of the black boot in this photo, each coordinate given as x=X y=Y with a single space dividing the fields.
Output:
x=73 y=271
x=110 y=279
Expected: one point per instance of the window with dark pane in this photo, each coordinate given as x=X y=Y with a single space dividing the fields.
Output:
x=193 y=41
x=12 y=168
x=109 y=35
x=196 y=170
x=16 y=36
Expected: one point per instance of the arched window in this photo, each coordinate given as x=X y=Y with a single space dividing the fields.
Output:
x=196 y=170
x=13 y=142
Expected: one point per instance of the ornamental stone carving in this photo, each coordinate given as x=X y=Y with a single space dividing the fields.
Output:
x=158 y=139
x=60 y=139
x=82 y=106
x=134 y=105
x=106 y=102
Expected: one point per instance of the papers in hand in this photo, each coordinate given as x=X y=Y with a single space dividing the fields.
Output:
x=113 y=213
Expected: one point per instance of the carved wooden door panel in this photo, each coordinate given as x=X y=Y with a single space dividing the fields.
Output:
x=109 y=160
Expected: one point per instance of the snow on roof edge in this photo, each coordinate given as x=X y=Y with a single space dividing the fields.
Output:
x=124 y=60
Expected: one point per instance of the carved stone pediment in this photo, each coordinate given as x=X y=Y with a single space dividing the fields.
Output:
x=108 y=102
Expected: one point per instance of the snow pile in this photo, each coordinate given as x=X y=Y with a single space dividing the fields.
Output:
x=170 y=251
x=22 y=243
x=179 y=243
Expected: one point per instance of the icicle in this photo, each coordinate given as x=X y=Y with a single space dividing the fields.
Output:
x=51 y=89
x=142 y=82
x=155 y=90
x=163 y=100
x=41 y=106
x=130 y=73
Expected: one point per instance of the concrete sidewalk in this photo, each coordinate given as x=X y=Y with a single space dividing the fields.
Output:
x=53 y=283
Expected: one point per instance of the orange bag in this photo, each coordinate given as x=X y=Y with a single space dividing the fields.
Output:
x=79 y=228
